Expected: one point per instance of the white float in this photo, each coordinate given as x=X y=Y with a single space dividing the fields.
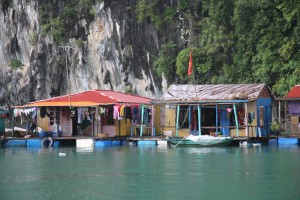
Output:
x=84 y=143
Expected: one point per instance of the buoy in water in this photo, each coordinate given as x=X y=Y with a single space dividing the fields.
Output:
x=62 y=154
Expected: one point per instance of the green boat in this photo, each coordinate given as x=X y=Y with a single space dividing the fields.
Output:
x=200 y=140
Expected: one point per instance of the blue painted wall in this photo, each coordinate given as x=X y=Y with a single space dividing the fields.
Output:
x=224 y=121
x=267 y=116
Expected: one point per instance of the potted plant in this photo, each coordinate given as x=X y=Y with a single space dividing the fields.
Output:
x=275 y=128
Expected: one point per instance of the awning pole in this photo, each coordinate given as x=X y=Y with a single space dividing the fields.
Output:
x=246 y=120
x=217 y=120
x=13 y=125
x=152 y=120
x=177 y=120
x=199 y=120
x=279 y=114
x=57 y=120
x=190 y=117
x=97 y=123
x=236 y=120
x=285 y=117
x=142 y=121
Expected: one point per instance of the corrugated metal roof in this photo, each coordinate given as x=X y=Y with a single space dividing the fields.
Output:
x=91 y=98
x=211 y=92
x=294 y=93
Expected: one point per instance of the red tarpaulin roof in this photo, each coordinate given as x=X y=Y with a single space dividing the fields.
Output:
x=294 y=93
x=91 y=98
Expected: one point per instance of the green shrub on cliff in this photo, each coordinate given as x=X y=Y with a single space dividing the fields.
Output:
x=16 y=64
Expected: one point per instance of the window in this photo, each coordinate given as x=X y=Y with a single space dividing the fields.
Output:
x=183 y=118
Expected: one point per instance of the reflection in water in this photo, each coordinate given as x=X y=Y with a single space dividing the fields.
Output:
x=85 y=149
x=204 y=150
x=150 y=172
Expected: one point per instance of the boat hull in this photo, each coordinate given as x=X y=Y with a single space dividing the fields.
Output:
x=205 y=141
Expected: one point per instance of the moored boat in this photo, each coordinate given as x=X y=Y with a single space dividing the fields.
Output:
x=201 y=140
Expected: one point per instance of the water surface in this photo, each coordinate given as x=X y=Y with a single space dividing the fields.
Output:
x=131 y=172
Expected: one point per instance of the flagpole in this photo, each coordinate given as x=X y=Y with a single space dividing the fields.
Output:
x=190 y=71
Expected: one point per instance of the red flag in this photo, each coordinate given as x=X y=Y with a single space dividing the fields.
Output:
x=190 y=65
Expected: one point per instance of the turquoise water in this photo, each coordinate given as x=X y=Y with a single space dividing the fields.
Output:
x=131 y=172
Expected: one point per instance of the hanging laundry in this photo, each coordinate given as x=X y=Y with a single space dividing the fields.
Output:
x=134 y=111
x=116 y=112
x=79 y=115
x=146 y=116
x=127 y=113
x=44 y=113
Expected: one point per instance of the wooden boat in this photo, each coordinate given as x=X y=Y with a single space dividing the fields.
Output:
x=201 y=140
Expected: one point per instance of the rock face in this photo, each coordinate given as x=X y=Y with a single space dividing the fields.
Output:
x=110 y=50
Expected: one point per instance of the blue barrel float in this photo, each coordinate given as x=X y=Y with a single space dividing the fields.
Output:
x=15 y=143
x=147 y=143
x=103 y=143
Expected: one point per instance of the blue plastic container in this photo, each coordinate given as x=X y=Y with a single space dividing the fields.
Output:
x=287 y=141
x=116 y=142
x=103 y=143
x=42 y=134
x=34 y=143
x=16 y=143
x=147 y=142
x=56 y=143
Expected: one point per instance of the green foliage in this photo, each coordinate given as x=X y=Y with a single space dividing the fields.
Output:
x=169 y=14
x=79 y=43
x=93 y=12
x=183 y=5
x=165 y=63
x=57 y=30
x=275 y=126
x=201 y=65
x=16 y=64
x=57 y=24
x=33 y=38
x=151 y=10
x=241 y=41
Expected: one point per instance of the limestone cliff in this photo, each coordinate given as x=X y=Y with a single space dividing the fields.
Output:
x=104 y=47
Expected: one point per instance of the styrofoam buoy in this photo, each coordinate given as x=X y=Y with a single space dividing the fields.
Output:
x=62 y=154
x=162 y=142
x=84 y=143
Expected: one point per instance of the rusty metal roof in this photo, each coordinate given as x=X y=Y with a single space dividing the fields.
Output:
x=211 y=92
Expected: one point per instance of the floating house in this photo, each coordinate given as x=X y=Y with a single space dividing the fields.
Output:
x=93 y=113
x=290 y=106
x=236 y=110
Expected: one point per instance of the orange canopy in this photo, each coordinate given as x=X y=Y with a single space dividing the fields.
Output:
x=91 y=98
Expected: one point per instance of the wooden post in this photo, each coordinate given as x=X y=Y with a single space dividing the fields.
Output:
x=246 y=120
x=236 y=120
x=152 y=120
x=279 y=114
x=97 y=113
x=285 y=117
x=190 y=117
x=57 y=121
x=199 y=120
x=142 y=121
x=13 y=126
x=177 y=119
x=217 y=120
